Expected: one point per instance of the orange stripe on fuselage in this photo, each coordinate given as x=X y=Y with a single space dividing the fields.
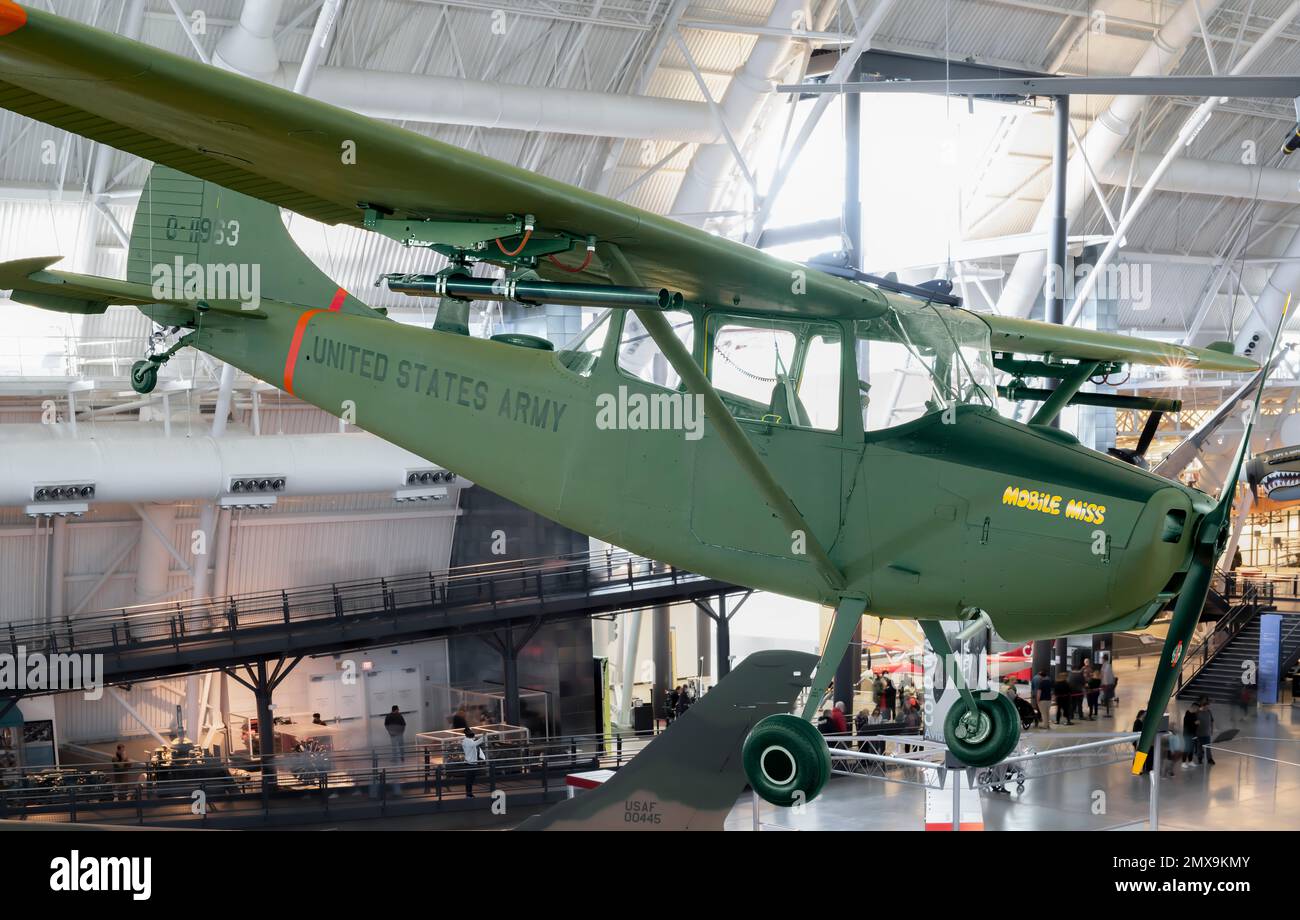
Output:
x=340 y=296
x=294 y=345
x=12 y=17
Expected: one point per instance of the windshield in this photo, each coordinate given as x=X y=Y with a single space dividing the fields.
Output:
x=922 y=358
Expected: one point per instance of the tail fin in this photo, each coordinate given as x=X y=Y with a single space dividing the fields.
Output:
x=689 y=777
x=195 y=221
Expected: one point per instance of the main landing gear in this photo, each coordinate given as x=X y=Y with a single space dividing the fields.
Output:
x=978 y=732
x=144 y=373
x=788 y=763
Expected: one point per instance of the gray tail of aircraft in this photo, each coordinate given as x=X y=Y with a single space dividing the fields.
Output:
x=689 y=777
x=183 y=221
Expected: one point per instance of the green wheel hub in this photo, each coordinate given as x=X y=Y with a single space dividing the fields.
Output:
x=786 y=760
x=144 y=376
x=986 y=736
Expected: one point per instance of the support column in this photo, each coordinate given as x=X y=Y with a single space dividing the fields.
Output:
x=201 y=581
x=1054 y=306
x=853 y=172
x=661 y=638
x=703 y=644
x=849 y=671
x=724 y=638
x=510 y=676
x=263 y=686
x=505 y=644
x=153 y=561
x=58 y=568
x=221 y=555
x=631 y=643
x=262 y=691
x=1042 y=655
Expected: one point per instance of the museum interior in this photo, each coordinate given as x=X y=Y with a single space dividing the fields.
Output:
x=736 y=415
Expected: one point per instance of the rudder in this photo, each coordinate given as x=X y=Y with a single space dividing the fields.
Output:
x=197 y=222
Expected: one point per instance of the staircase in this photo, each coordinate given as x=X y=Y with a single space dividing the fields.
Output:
x=1217 y=674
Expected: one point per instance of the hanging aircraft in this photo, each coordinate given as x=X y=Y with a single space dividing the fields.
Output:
x=761 y=454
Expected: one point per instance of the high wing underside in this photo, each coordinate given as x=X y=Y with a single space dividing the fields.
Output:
x=290 y=150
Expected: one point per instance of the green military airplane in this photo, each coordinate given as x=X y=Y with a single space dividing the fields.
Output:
x=792 y=480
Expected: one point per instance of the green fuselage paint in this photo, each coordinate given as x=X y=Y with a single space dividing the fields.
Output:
x=917 y=516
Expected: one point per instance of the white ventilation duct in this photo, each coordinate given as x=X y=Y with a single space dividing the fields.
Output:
x=1100 y=145
x=249 y=48
x=1256 y=336
x=710 y=167
x=136 y=462
x=452 y=101
x=1209 y=177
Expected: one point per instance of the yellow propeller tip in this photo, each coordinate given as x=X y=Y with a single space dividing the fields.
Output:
x=1139 y=761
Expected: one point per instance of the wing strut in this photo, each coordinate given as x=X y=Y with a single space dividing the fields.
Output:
x=1064 y=392
x=621 y=272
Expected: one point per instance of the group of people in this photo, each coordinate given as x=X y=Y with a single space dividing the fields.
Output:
x=1072 y=690
x=680 y=699
x=890 y=703
x=1188 y=749
x=471 y=744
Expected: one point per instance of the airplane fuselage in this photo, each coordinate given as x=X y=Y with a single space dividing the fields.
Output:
x=928 y=519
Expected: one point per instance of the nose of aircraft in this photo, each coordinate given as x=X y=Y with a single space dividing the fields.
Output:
x=1155 y=561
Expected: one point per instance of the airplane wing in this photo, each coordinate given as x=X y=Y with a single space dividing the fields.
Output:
x=1028 y=336
x=327 y=163
x=296 y=152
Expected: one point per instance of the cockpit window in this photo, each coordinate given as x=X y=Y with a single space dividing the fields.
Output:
x=921 y=358
x=778 y=372
x=581 y=355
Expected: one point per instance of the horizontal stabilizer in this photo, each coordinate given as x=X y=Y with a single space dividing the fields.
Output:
x=34 y=283
x=689 y=777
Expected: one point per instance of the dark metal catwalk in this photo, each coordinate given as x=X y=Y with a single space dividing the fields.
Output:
x=160 y=640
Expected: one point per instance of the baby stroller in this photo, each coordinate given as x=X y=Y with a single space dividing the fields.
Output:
x=1026 y=711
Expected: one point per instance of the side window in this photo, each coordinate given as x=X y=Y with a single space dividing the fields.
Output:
x=639 y=356
x=819 y=385
x=780 y=373
x=583 y=353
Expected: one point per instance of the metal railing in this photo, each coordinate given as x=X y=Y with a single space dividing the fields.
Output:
x=495 y=586
x=1252 y=595
x=309 y=786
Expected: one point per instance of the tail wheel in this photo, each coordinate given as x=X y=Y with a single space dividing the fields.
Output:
x=144 y=376
x=786 y=760
x=983 y=737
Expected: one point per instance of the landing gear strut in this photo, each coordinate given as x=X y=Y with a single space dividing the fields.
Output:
x=786 y=759
x=979 y=732
x=144 y=373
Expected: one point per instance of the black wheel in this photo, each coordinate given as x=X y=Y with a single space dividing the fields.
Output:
x=144 y=376
x=786 y=760
x=984 y=737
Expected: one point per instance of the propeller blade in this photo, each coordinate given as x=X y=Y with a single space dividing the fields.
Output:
x=1187 y=611
x=1211 y=538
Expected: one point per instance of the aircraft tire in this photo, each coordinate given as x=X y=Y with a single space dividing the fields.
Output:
x=786 y=760
x=144 y=376
x=987 y=742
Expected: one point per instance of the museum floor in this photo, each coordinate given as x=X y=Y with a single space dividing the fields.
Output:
x=1238 y=793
